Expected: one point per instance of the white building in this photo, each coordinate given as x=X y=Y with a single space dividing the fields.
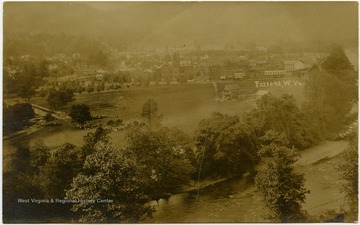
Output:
x=274 y=72
x=260 y=93
x=185 y=63
x=292 y=65
x=239 y=75
x=67 y=78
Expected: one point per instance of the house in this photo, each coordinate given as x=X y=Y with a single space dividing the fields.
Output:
x=309 y=61
x=99 y=77
x=25 y=57
x=231 y=91
x=235 y=92
x=76 y=56
x=239 y=75
x=100 y=74
x=274 y=72
x=100 y=71
x=80 y=66
x=185 y=63
x=243 y=58
x=67 y=78
x=260 y=93
x=262 y=49
x=292 y=65
x=59 y=57
x=205 y=57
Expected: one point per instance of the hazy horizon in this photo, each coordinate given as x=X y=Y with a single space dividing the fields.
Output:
x=156 y=24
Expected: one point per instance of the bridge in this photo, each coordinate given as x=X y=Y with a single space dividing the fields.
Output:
x=42 y=111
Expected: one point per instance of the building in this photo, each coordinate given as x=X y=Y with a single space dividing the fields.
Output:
x=293 y=65
x=67 y=78
x=231 y=91
x=99 y=77
x=185 y=63
x=239 y=75
x=260 y=93
x=274 y=72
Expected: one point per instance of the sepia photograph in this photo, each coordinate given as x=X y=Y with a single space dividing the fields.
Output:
x=180 y=112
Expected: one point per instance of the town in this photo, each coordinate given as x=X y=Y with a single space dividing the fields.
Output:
x=114 y=70
x=180 y=112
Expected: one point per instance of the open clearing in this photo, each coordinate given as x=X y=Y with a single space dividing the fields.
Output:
x=183 y=105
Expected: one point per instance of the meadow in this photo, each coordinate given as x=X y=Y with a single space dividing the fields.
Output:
x=183 y=105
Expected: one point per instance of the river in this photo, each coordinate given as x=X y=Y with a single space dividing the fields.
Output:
x=232 y=200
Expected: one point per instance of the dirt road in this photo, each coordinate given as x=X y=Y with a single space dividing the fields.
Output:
x=328 y=149
x=319 y=165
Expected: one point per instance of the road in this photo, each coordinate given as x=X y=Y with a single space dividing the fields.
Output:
x=328 y=149
x=319 y=165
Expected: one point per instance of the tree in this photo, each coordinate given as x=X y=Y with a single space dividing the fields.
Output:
x=80 y=113
x=281 y=114
x=90 y=89
x=164 y=157
x=91 y=139
x=337 y=62
x=350 y=176
x=325 y=107
x=221 y=146
x=282 y=188
x=150 y=111
x=110 y=174
x=39 y=155
x=62 y=166
x=20 y=181
x=59 y=98
x=9 y=83
x=17 y=116
x=43 y=69
x=227 y=145
x=26 y=79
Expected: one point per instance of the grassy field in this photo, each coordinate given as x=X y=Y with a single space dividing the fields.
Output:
x=182 y=105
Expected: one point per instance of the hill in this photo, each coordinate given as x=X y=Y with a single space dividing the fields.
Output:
x=153 y=24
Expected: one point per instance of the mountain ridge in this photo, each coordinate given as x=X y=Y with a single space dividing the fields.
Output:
x=154 y=24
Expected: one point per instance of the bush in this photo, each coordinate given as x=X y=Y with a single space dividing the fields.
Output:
x=80 y=113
